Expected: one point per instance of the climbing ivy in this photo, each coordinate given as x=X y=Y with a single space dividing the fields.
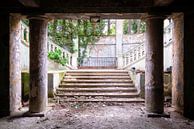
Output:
x=126 y=27
x=64 y=33
x=134 y=26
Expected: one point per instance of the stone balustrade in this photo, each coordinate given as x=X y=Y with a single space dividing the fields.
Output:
x=51 y=46
x=66 y=54
x=133 y=55
x=137 y=53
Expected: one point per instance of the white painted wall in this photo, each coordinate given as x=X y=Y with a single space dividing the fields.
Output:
x=140 y=64
x=24 y=56
x=104 y=47
x=167 y=56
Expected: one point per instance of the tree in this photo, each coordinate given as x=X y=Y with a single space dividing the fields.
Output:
x=63 y=32
x=133 y=26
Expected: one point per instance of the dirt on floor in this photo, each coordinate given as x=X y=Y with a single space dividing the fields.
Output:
x=97 y=116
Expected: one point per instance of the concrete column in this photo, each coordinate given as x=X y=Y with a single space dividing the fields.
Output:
x=38 y=64
x=189 y=65
x=178 y=66
x=4 y=65
x=75 y=54
x=15 y=66
x=154 y=65
x=119 y=41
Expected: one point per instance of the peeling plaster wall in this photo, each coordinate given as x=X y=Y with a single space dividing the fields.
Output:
x=104 y=47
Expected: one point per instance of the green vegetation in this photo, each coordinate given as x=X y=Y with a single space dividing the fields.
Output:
x=57 y=57
x=25 y=86
x=65 y=33
x=134 y=26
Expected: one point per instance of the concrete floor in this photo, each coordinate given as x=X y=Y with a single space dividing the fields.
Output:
x=97 y=116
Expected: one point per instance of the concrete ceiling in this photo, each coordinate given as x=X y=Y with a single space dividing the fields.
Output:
x=104 y=8
x=101 y=15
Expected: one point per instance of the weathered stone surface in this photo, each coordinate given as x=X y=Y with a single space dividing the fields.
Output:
x=140 y=84
x=178 y=60
x=38 y=64
x=154 y=65
x=15 y=67
x=4 y=64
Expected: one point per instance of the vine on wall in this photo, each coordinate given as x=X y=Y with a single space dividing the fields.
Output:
x=64 y=33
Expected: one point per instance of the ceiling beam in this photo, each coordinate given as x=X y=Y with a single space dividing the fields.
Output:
x=101 y=15
x=162 y=2
x=29 y=3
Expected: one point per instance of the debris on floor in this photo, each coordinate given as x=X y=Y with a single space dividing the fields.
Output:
x=79 y=115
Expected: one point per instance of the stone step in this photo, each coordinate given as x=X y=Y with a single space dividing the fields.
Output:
x=107 y=89
x=96 y=74
x=100 y=85
x=96 y=81
x=97 y=86
x=89 y=86
x=101 y=94
x=97 y=77
x=97 y=71
x=118 y=100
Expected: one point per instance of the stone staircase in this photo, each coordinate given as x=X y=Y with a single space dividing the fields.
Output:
x=97 y=86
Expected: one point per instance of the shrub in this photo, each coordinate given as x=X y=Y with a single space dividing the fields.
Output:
x=56 y=56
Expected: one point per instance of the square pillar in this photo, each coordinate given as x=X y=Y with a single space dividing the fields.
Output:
x=4 y=65
x=154 y=65
x=38 y=64
x=189 y=65
x=119 y=41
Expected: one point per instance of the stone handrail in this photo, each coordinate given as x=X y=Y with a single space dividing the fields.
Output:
x=138 y=52
x=51 y=46
x=133 y=55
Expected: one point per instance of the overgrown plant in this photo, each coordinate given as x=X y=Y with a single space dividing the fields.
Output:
x=134 y=26
x=64 y=33
x=56 y=56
